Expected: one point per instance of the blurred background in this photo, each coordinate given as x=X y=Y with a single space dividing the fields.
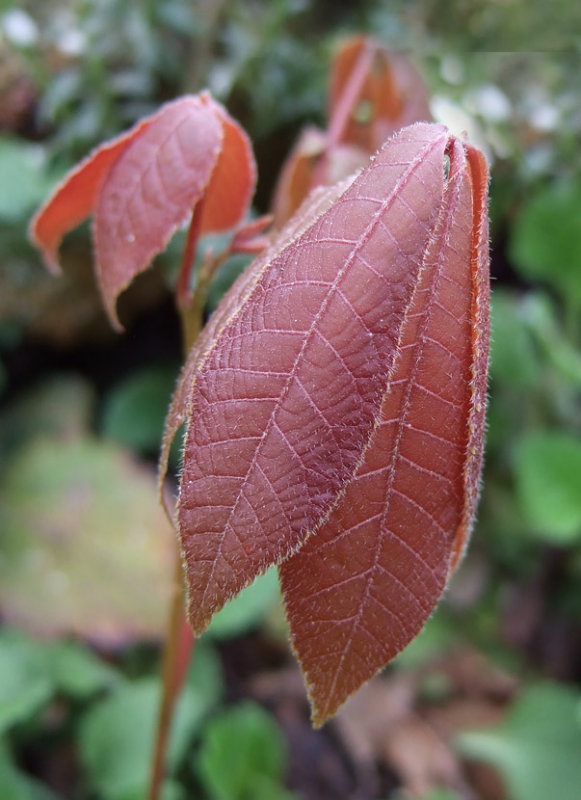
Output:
x=486 y=703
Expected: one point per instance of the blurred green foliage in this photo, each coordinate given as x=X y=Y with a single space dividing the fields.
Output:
x=243 y=756
x=537 y=747
x=73 y=73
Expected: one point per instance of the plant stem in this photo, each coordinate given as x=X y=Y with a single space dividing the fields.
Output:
x=183 y=289
x=353 y=87
x=179 y=644
x=178 y=651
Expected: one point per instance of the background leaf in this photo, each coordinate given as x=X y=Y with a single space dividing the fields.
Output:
x=513 y=358
x=135 y=409
x=117 y=735
x=24 y=178
x=248 y=608
x=546 y=239
x=243 y=756
x=85 y=546
x=548 y=483
x=536 y=749
x=26 y=684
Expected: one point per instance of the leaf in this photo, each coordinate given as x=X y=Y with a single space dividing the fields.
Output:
x=372 y=93
x=537 y=747
x=546 y=239
x=542 y=319
x=117 y=736
x=548 y=484
x=77 y=672
x=513 y=359
x=363 y=587
x=246 y=609
x=363 y=332
x=387 y=94
x=32 y=672
x=312 y=162
x=24 y=180
x=85 y=548
x=25 y=681
x=143 y=185
x=249 y=741
x=135 y=409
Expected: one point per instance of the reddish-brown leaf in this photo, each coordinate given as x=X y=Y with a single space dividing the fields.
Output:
x=302 y=170
x=73 y=199
x=142 y=186
x=373 y=93
x=284 y=392
x=388 y=95
x=365 y=584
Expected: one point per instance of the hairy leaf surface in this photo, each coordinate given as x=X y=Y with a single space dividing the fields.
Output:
x=143 y=185
x=284 y=395
x=364 y=586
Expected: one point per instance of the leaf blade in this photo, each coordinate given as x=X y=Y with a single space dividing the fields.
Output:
x=364 y=586
x=73 y=199
x=218 y=521
x=152 y=189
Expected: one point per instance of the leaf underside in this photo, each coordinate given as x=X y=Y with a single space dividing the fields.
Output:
x=335 y=411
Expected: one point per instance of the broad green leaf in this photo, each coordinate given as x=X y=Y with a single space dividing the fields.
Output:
x=26 y=683
x=170 y=790
x=536 y=749
x=437 y=637
x=541 y=318
x=248 y=608
x=32 y=672
x=513 y=359
x=546 y=239
x=117 y=737
x=243 y=755
x=85 y=546
x=547 y=469
x=77 y=671
x=135 y=409
x=205 y=676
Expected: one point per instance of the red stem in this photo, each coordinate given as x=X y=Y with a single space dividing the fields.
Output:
x=180 y=640
x=176 y=659
x=183 y=289
x=343 y=110
x=347 y=100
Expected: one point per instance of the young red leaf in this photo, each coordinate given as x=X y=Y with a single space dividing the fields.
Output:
x=365 y=584
x=373 y=92
x=285 y=389
x=389 y=94
x=142 y=186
